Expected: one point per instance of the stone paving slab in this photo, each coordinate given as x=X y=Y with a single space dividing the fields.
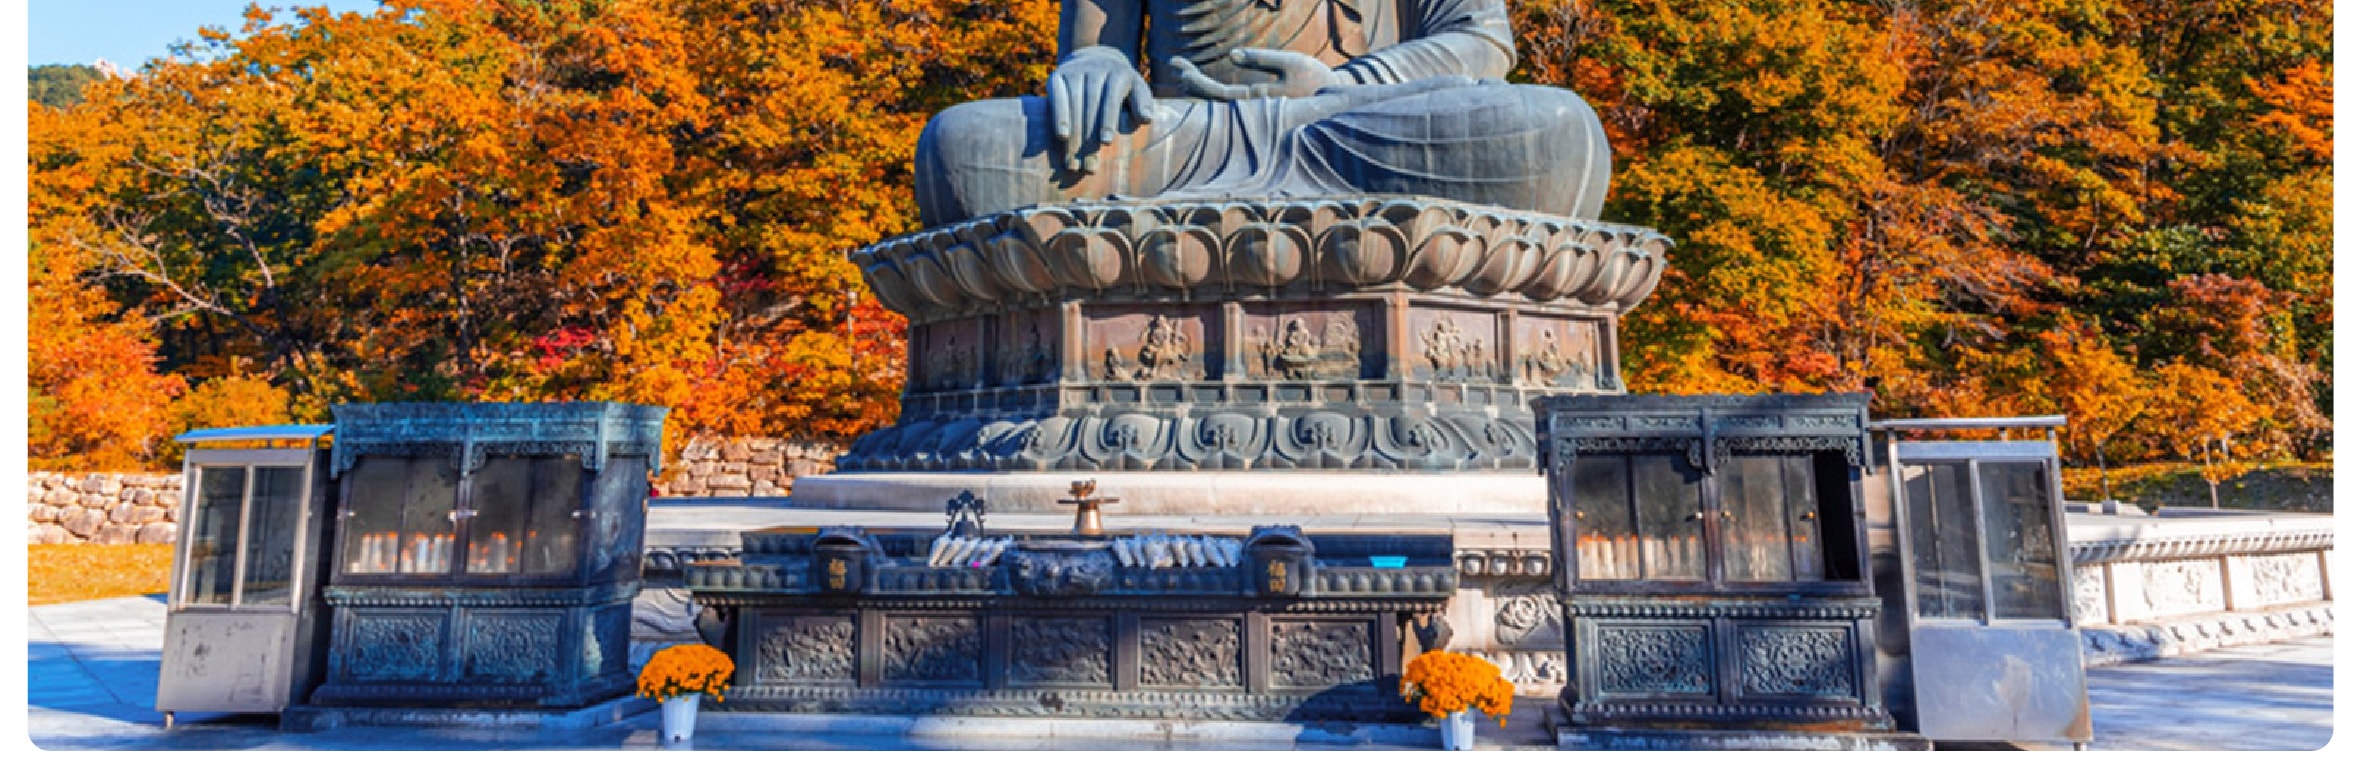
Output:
x=92 y=668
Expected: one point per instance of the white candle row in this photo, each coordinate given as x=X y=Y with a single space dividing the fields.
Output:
x=385 y=552
x=1622 y=558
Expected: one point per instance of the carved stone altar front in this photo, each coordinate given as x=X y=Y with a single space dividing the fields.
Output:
x=1204 y=634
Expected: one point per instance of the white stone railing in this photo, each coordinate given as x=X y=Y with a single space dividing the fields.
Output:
x=2188 y=580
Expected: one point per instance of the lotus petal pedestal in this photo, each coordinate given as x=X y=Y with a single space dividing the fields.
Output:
x=1381 y=334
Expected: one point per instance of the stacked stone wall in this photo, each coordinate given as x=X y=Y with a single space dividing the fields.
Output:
x=747 y=466
x=102 y=508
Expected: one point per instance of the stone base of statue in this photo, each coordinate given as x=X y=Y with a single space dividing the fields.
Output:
x=1248 y=335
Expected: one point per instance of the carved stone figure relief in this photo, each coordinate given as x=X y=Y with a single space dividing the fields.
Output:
x=1654 y=660
x=1025 y=358
x=951 y=362
x=1189 y=653
x=1453 y=346
x=512 y=647
x=806 y=648
x=1319 y=654
x=938 y=650
x=1059 y=651
x=1797 y=661
x=1558 y=353
x=1151 y=348
x=1296 y=353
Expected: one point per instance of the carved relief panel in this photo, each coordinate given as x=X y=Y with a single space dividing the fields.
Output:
x=1799 y=661
x=1298 y=343
x=805 y=648
x=1060 y=651
x=2178 y=587
x=1558 y=353
x=2282 y=578
x=1453 y=345
x=1151 y=345
x=1027 y=349
x=950 y=354
x=393 y=645
x=1527 y=616
x=1189 y=653
x=511 y=647
x=934 y=650
x=1319 y=654
x=1654 y=660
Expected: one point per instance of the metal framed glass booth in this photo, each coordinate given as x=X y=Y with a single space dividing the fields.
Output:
x=243 y=626
x=486 y=554
x=1980 y=642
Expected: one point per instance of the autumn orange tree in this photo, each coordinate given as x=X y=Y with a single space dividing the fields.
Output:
x=1977 y=208
x=645 y=201
x=1970 y=207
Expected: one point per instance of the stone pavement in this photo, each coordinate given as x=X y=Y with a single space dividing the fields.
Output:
x=91 y=682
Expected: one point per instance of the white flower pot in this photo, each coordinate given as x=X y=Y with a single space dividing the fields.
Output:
x=1459 y=731
x=680 y=717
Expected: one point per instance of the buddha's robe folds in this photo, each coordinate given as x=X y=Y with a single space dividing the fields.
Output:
x=1412 y=105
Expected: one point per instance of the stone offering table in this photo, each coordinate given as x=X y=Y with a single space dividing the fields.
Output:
x=1272 y=625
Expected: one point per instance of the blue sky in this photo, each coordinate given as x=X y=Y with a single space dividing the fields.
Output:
x=130 y=32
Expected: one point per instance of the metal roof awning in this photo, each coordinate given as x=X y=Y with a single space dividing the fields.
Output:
x=279 y=432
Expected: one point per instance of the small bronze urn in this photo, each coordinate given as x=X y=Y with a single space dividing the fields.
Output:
x=1086 y=507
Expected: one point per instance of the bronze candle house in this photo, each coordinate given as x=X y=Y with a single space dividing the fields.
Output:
x=487 y=554
x=1715 y=573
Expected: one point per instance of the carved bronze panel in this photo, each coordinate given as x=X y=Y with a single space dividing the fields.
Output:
x=1796 y=661
x=805 y=648
x=934 y=650
x=1303 y=343
x=1151 y=345
x=393 y=646
x=1320 y=654
x=1559 y=353
x=1655 y=660
x=1189 y=653
x=1060 y=651
x=514 y=647
x=1453 y=345
x=1027 y=353
x=950 y=354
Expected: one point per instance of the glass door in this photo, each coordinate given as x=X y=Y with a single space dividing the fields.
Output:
x=244 y=534
x=1769 y=519
x=1638 y=518
x=400 y=516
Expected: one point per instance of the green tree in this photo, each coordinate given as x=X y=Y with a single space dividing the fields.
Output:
x=59 y=86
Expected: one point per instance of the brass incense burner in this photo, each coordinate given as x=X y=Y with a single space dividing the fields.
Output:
x=1086 y=507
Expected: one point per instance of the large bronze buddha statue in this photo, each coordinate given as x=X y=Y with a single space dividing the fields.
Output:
x=1316 y=235
x=1271 y=98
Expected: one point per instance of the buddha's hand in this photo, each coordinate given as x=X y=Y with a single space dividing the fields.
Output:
x=1087 y=95
x=1300 y=75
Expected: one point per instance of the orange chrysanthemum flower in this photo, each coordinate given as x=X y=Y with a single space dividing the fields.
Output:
x=686 y=669
x=1442 y=683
